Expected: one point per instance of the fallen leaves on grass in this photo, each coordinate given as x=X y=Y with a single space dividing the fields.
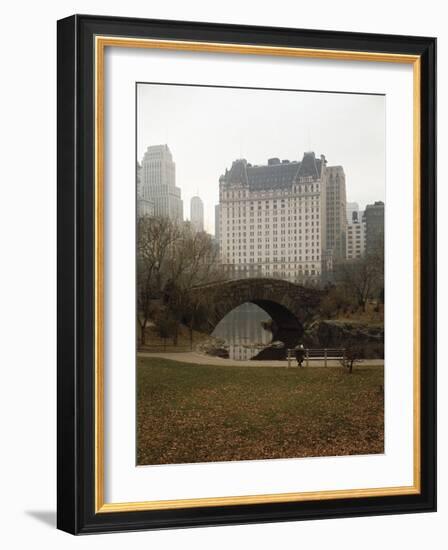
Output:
x=188 y=413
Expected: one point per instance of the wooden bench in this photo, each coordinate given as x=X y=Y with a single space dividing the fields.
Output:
x=324 y=354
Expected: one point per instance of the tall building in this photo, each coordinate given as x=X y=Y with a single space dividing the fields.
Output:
x=273 y=218
x=336 y=211
x=138 y=175
x=356 y=236
x=197 y=213
x=158 y=182
x=374 y=215
x=145 y=207
x=351 y=208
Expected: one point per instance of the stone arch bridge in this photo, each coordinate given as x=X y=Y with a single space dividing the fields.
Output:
x=291 y=306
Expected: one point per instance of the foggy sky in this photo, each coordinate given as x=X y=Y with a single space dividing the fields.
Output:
x=207 y=128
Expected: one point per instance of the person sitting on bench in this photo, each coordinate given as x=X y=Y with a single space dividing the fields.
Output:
x=300 y=354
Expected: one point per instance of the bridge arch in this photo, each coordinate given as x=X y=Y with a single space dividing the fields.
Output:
x=289 y=305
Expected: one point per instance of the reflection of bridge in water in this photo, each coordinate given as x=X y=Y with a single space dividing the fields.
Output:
x=242 y=329
x=289 y=306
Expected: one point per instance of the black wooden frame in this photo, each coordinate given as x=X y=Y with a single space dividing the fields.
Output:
x=76 y=396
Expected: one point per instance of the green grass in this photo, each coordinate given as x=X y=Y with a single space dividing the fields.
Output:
x=189 y=413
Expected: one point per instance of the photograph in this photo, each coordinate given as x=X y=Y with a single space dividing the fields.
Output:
x=246 y=272
x=259 y=273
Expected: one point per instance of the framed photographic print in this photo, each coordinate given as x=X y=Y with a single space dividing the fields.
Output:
x=246 y=271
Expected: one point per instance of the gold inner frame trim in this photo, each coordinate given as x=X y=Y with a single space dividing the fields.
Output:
x=101 y=42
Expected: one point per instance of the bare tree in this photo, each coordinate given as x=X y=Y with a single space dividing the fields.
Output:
x=362 y=277
x=196 y=263
x=165 y=325
x=172 y=258
x=338 y=299
x=156 y=238
x=353 y=354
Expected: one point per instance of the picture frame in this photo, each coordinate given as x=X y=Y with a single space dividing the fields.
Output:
x=82 y=202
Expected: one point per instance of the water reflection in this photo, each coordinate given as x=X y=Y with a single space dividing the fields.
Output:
x=243 y=331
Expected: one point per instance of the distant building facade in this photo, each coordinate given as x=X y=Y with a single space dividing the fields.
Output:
x=374 y=215
x=351 y=208
x=356 y=235
x=138 y=172
x=217 y=222
x=336 y=212
x=145 y=207
x=158 y=183
x=273 y=218
x=197 y=214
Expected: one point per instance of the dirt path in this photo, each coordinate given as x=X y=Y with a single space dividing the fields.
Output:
x=199 y=359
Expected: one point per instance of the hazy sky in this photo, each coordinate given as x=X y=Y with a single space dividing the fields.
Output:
x=207 y=128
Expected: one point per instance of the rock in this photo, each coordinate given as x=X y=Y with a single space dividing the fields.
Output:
x=275 y=351
x=214 y=347
x=276 y=345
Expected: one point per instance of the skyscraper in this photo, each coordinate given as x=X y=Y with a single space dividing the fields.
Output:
x=356 y=235
x=145 y=207
x=158 y=182
x=336 y=212
x=197 y=213
x=374 y=215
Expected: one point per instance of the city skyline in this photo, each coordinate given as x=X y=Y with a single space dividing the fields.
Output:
x=179 y=115
x=352 y=206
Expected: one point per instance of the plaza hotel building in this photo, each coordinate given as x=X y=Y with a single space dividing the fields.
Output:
x=286 y=219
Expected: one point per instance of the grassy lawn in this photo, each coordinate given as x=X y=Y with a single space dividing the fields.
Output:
x=188 y=413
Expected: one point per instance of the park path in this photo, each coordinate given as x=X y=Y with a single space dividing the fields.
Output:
x=200 y=359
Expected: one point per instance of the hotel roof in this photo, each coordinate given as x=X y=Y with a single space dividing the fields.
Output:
x=276 y=174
